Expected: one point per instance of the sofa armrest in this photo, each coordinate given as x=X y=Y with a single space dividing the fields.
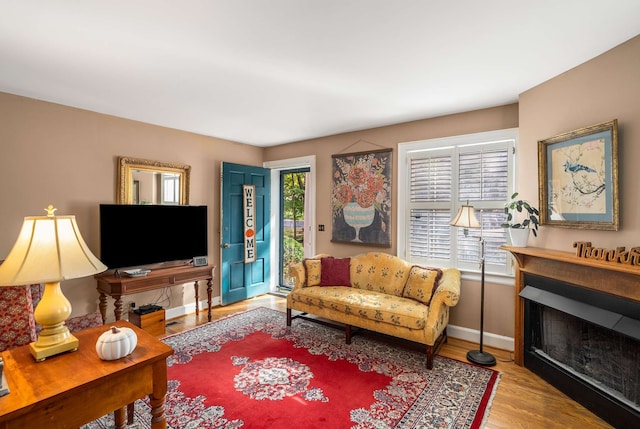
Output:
x=448 y=290
x=446 y=295
x=297 y=271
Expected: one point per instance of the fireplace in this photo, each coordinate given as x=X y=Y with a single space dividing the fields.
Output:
x=587 y=344
x=578 y=327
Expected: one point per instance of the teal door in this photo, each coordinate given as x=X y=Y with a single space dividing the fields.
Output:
x=240 y=280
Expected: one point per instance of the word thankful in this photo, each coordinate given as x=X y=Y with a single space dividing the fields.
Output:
x=619 y=255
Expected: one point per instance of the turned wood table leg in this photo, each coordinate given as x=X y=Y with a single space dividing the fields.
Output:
x=195 y=287
x=157 y=398
x=158 y=418
x=117 y=306
x=209 y=291
x=103 y=306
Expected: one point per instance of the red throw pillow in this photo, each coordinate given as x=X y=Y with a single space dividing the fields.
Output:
x=335 y=272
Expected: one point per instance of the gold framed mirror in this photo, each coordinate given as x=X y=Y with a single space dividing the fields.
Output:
x=143 y=181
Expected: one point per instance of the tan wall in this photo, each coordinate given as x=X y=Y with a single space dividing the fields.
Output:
x=605 y=88
x=52 y=154
x=466 y=313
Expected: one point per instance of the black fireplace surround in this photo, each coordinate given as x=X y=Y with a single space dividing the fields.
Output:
x=587 y=344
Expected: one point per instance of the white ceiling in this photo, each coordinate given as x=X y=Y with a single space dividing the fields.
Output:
x=266 y=72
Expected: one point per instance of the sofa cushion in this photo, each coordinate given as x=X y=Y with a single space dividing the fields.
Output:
x=422 y=283
x=379 y=272
x=335 y=272
x=375 y=306
x=312 y=268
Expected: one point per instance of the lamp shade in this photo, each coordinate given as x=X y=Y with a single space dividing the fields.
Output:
x=48 y=249
x=466 y=218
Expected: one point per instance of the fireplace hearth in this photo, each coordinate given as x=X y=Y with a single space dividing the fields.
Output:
x=578 y=327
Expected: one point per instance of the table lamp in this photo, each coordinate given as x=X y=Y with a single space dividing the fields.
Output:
x=50 y=249
x=466 y=218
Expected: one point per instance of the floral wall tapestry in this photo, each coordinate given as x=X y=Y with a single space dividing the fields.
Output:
x=361 y=198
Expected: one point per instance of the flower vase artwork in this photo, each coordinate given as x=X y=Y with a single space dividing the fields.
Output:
x=361 y=198
x=358 y=217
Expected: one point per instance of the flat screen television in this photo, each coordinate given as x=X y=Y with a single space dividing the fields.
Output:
x=138 y=235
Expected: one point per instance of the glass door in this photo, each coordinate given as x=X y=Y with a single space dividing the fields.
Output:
x=293 y=229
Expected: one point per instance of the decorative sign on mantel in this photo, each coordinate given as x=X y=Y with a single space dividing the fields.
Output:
x=249 y=210
x=619 y=254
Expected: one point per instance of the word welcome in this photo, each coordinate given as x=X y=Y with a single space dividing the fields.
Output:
x=619 y=254
x=249 y=210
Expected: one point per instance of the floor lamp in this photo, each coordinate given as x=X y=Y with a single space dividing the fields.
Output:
x=466 y=218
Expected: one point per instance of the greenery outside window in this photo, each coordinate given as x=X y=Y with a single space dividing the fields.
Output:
x=293 y=184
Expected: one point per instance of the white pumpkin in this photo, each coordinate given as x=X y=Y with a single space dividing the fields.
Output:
x=116 y=343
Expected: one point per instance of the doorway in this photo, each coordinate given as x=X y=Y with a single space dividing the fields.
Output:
x=293 y=210
x=240 y=277
x=280 y=217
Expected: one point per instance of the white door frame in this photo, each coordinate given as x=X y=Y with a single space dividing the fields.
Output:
x=310 y=192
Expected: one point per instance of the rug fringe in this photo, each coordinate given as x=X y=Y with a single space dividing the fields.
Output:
x=494 y=390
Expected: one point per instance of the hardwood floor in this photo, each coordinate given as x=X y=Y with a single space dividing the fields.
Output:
x=522 y=400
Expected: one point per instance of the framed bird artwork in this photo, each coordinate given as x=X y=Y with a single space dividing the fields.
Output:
x=578 y=174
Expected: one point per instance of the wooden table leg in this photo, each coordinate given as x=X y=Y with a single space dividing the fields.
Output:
x=209 y=290
x=130 y=413
x=120 y=418
x=195 y=286
x=117 y=306
x=158 y=418
x=157 y=397
x=103 y=306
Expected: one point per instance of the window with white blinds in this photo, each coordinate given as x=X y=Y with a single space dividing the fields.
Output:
x=440 y=176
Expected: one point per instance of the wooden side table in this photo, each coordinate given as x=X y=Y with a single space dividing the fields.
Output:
x=71 y=389
x=116 y=287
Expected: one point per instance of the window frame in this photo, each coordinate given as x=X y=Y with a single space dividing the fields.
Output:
x=407 y=150
x=170 y=182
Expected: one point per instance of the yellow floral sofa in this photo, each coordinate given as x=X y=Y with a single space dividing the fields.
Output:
x=378 y=292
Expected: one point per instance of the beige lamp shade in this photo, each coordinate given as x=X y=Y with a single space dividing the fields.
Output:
x=48 y=249
x=466 y=218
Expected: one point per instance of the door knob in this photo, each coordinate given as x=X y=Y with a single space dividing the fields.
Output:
x=225 y=245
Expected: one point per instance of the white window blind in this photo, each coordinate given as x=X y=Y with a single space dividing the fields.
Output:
x=440 y=178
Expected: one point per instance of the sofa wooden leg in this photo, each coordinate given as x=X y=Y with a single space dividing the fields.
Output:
x=347 y=331
x=430 y=357
x=288 y=317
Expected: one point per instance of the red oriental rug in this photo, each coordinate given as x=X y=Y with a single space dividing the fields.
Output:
x=249 y=371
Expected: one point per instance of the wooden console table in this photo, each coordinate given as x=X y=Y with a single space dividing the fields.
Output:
x=116 y=287
x=74 y=388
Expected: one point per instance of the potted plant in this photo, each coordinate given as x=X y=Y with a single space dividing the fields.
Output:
x=520 y=225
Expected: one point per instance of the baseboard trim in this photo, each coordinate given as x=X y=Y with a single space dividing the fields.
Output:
x=183 y=310
x=492 y=340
